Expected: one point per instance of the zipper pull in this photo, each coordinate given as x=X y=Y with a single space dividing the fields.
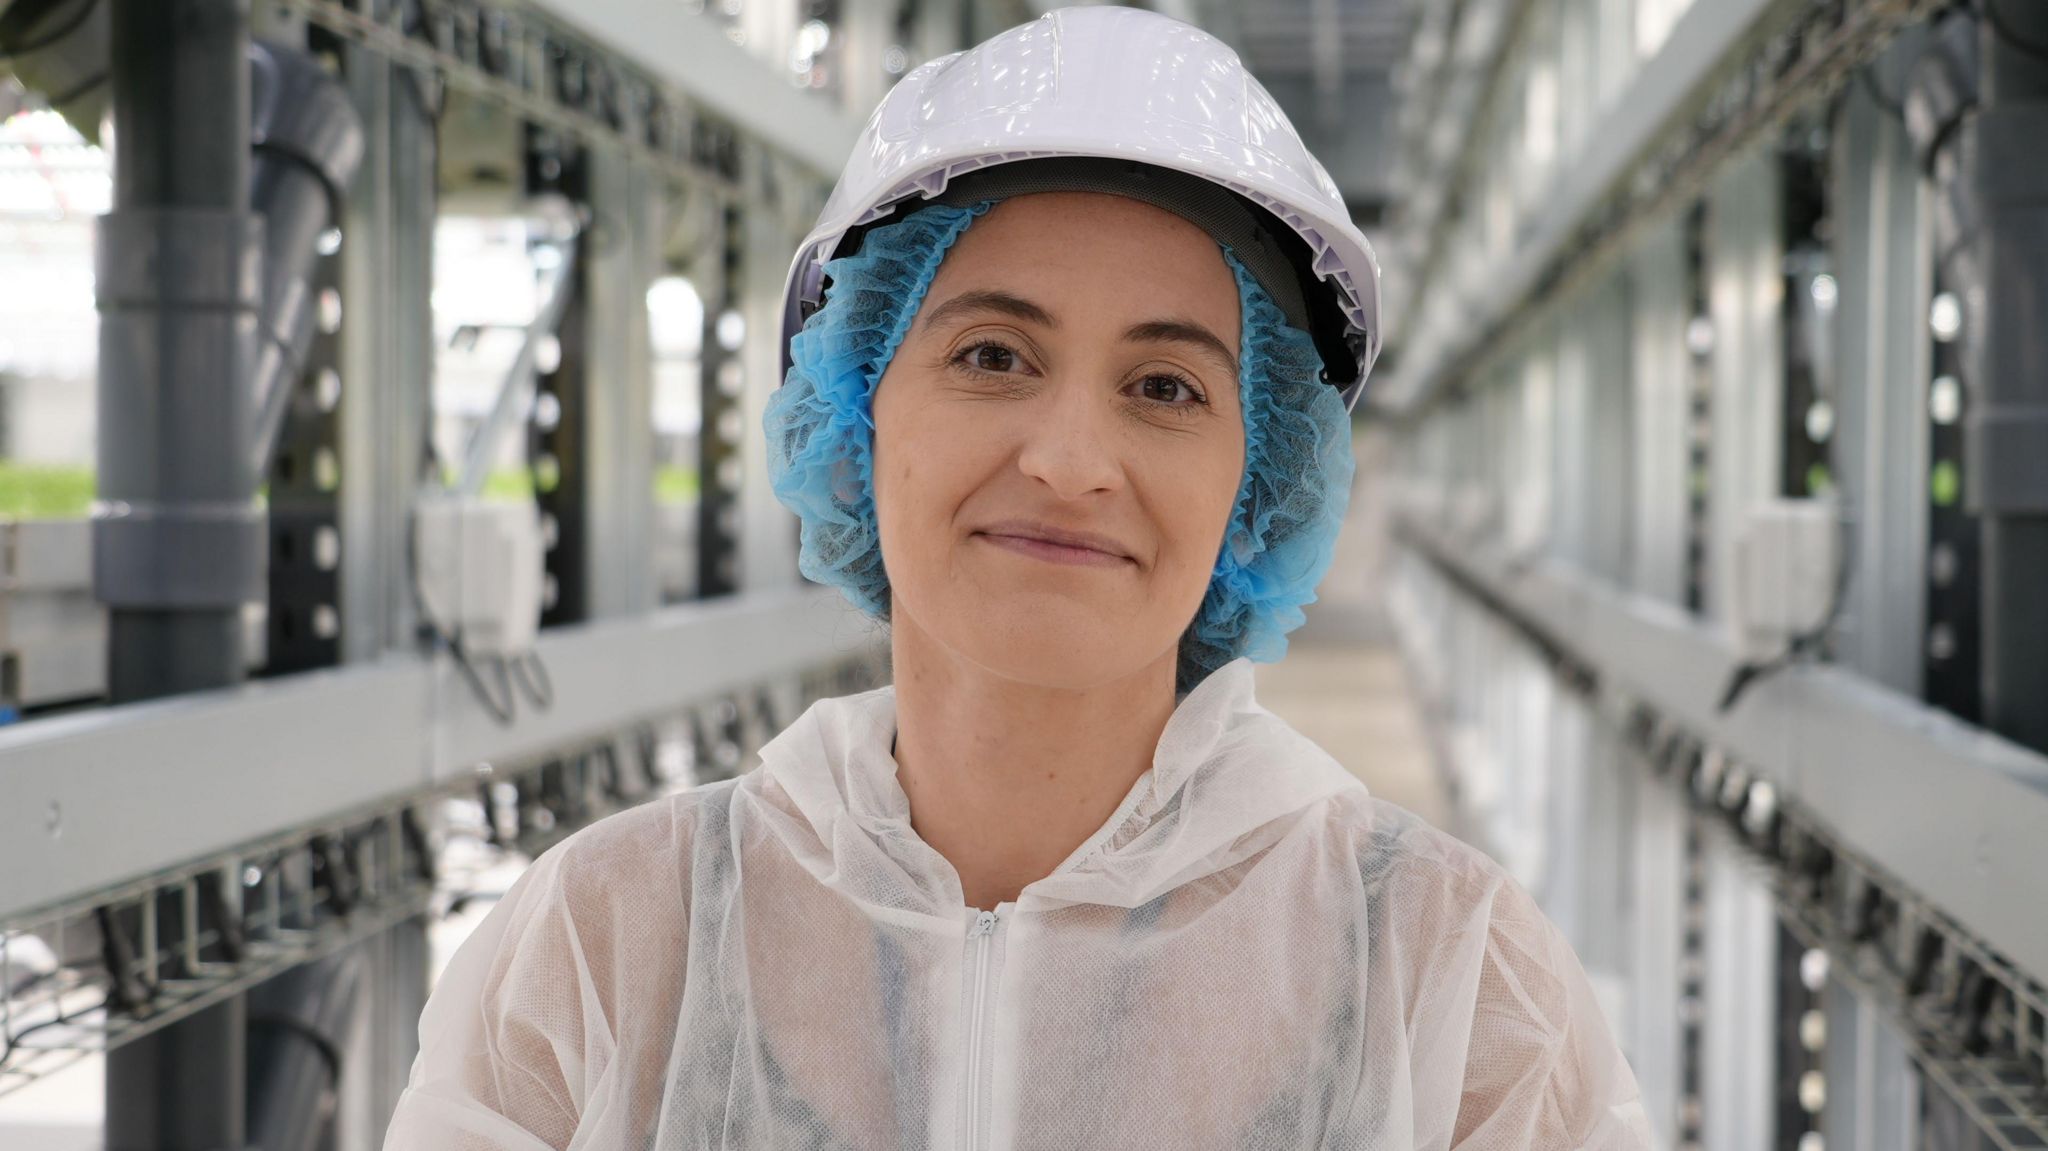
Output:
x=984 y=924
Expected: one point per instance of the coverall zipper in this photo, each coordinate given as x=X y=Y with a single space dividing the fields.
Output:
x=981 y=946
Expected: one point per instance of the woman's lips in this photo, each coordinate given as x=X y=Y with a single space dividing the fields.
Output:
x=1055 y=546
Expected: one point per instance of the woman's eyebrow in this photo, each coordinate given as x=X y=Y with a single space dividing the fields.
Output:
x=987 y=300
x=1152 y=331
x=1184 y=332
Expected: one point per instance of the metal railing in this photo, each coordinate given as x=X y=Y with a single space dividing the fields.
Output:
x=354 y=846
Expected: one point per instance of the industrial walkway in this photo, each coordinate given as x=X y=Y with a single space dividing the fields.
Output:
x=1343 y=683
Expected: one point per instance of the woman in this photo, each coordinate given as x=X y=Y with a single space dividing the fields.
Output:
x=1074 y=422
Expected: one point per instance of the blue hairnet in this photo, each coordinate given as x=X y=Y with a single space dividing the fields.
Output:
x=1283 y=527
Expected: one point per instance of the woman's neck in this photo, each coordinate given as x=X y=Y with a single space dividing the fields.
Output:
x=1006 y=779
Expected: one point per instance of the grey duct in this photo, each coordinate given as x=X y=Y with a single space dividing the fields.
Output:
x=59 y=48
x=308 y=142
x=159 y=270
x=297 y=1025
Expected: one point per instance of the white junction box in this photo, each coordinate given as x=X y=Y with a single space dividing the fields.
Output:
x=1786 y=568
x=481 y=570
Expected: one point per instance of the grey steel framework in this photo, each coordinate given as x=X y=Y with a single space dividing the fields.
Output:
x=1743 y=252
x=1825 y=786
x=1655 y=154
x=346 y=845
x=306 y=828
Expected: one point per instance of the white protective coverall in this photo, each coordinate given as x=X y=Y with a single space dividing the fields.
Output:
x=1251 y=953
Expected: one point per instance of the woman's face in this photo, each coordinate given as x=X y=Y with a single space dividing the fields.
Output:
x=1059 y=440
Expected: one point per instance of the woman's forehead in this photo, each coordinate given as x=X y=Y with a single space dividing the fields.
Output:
x=1087 y=258
x=1043 y=221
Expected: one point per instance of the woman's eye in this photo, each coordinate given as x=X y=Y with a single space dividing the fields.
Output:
x=989 y=358
x=1169 y=390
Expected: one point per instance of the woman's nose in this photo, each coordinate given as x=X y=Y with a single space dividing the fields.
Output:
x=1069 y=444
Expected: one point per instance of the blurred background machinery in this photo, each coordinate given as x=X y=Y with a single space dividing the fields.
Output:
x=381 y=499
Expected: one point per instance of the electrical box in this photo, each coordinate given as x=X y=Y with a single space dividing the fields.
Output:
x=1786 y=569
x=481 y=569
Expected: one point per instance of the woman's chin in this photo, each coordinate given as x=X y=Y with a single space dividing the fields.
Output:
x=1057 y=651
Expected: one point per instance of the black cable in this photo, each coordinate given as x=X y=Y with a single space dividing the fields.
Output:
x=2004 y=30
x=330 y=1054
x=431 y=628
x=77 y=21
x=416 y=840
x=11 y=1043
x=462 y=901
x=1749 y=672
x=528 y=670
x=502 y=712
x=532 y=675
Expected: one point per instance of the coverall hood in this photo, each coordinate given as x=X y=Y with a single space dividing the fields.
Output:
x=1243 y=765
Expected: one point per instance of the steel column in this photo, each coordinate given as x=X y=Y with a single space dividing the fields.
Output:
x=2006 y=481
x=179 y=541
x=623 y=252
x=1880 y=440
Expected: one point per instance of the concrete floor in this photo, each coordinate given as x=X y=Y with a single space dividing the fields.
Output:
x=1343 y=682
x=1350 y=694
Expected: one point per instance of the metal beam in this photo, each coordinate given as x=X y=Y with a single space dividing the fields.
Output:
x=1662 y=87
x=102 y=798
x=1954 y=813
x=691 y=53
x=1469 y=334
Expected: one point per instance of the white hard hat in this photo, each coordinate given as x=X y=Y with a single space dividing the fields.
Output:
x=1116 y=83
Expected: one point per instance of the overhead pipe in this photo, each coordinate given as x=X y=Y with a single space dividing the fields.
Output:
x=308 y=142
x=59 y=48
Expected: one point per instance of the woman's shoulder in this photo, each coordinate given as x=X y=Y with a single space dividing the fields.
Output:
x=631 y=858
x=1493 y=996
x=1405 y=860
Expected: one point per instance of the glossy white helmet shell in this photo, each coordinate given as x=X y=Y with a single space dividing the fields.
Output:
x=1097 y=81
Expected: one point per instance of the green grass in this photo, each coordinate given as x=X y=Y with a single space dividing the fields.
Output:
x=674 y=485
x=45 y=491
x=513 y=486
x=57 y=491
